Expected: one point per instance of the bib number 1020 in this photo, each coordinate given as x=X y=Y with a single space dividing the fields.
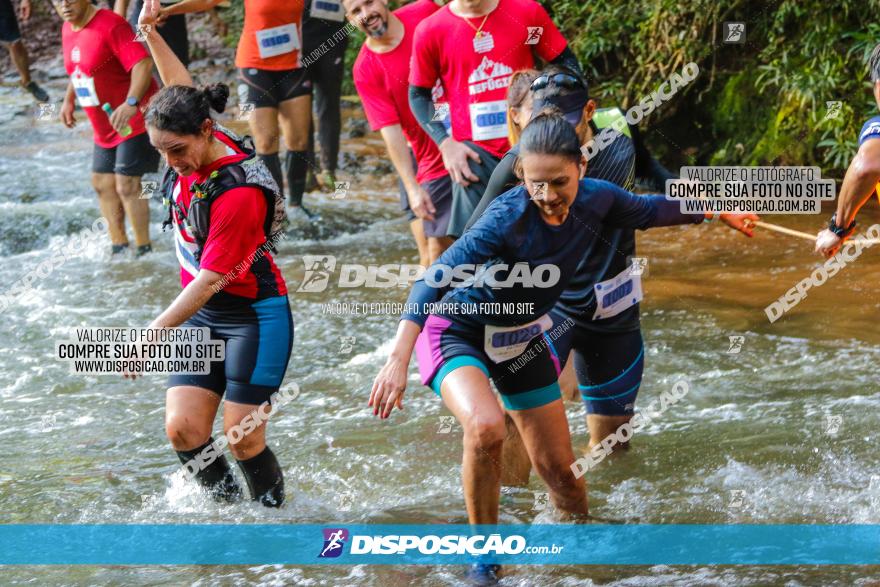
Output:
x=502 y=339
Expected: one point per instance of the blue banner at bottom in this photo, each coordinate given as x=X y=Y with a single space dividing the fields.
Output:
x=587 y=544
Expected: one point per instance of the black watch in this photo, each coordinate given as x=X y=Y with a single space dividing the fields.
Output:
x=839 y=231
x=131 y=101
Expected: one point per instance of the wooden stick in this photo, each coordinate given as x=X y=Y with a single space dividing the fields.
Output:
x=783 y=230
x=798 y=233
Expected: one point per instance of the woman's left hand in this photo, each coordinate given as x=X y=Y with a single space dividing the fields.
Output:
x=388 y=388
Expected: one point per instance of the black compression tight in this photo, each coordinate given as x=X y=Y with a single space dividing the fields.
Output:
x=264 y=478
x=216 y=476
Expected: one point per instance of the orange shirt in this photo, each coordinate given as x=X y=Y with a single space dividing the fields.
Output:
x=272 y=35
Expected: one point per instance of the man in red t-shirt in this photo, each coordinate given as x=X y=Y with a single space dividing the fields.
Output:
x=381 y=74
x=473 y=47
x=111 y=78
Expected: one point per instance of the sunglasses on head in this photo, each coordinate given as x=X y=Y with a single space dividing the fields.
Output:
x=560 y=79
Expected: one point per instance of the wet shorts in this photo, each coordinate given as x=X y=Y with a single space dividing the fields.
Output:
x=268 y=88
x=133 y=157
x=527 y=381
x=9 y=31
x=440 y=192
x=404 y=202
x=404 y=197
x=609 y=366
x=465 y=199
x=258 y=337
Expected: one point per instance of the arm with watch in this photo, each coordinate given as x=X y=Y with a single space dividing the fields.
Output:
x=859 y=185
x=141 y=75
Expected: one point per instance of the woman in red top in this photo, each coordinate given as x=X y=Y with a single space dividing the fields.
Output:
x=230 y=285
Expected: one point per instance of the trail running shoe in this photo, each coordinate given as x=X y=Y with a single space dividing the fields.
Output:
x=118 y=249
x=327 y=180
x=37 y=92
x=301 y=214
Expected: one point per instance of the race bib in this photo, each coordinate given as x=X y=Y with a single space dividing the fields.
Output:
x=489 y=120
x=84 y=87
x=618 y=293
x=328 y=10
x=503 y=343
x=277 y=40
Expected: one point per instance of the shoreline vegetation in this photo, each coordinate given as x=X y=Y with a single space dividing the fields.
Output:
x=795 y=92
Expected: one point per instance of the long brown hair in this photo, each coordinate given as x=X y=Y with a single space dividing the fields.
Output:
x=517 y=92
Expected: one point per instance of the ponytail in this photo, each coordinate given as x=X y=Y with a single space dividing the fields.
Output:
x=183 y=109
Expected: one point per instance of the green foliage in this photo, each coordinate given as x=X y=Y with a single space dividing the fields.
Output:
x=763 y=102
x=233 y=16
x=355 y=40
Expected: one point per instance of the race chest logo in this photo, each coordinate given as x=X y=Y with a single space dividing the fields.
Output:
x=489 y=76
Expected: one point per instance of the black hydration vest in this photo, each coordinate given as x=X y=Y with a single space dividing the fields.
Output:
x=249 y=172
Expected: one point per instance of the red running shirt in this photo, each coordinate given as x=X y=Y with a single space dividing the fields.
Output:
x=475 y=72
x=235 y=234
x=382 y=80
x=272 y=35
x=99 y=58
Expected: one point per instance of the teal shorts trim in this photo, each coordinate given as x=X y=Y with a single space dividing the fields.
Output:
x=453 y=364
x=532 y=399
x=520 y=401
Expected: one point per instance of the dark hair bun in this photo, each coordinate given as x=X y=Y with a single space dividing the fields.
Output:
x=217 y=95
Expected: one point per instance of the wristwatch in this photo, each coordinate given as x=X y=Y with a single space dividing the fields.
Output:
x=839 y=231
x=131 y=101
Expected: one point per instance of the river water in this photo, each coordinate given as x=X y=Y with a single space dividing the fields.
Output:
x=781 y=432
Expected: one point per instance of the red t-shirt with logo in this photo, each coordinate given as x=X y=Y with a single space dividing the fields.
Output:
x=475 y=72
x=235 y=234
x=382 y=80
x=99 y=58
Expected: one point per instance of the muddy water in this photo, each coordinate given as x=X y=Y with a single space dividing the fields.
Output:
x=82 y=449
